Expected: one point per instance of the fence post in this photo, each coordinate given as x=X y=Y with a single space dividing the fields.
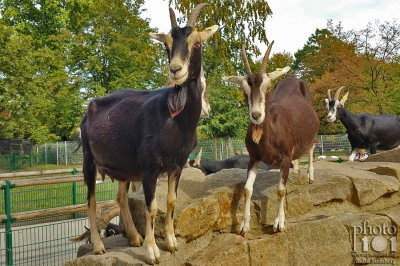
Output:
x=66 y=153
x=8 y=236
x=74 y=194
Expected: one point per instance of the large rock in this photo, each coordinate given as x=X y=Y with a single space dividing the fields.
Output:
x=385 y=156
x=320 y=218
x=369 y=186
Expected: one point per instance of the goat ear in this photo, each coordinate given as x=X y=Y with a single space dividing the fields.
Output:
x=278 y=72
x=233 y=79
x=344 y=98
x=208 y=32
x=158 y=36
x=326 y=100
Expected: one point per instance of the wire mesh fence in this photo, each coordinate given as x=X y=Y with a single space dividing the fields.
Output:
x=45 y=244
x=44 y=240
x=69 y=153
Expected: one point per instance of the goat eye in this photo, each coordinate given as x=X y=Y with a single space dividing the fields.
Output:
x=197 y=44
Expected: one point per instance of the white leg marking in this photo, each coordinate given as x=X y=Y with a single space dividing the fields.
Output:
x=296 y=168
x=310 y=170
x=248 y=192
x=170 y=239
x=279 y=224
x=152 y=255
x=353 y=154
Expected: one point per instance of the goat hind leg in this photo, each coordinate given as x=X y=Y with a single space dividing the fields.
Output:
x=279 y=223
x=310 y=169
x=296 y=167
x=98 y=246
x=135 y=238
x=248 y=192
x=170 y=239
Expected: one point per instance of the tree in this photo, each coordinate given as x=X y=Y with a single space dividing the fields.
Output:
x=111 y=47
x=365 y=61
x=60 y=54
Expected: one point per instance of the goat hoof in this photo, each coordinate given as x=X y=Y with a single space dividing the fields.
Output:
x=137 y=241
x=279 y=225
x=152 y=255
x=100 y=252
x=170 y=243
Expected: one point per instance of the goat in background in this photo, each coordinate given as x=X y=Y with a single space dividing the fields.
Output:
x=210 y=166
x=283 y=126
x=364 y=130
x=139 y=135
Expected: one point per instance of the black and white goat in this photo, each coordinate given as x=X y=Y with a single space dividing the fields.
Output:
x=373 y=132
x=283 y=126
x=210 y=166
x=139 y=135
x=104 y=227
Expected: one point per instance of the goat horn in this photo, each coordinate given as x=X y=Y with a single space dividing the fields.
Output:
x=329 y=95
x=338 y=93
x=245 y=62
x=265 y=59
x=112 y=212
x=195 y=13
x=173 y=18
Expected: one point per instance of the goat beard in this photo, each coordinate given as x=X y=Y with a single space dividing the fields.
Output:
x=177 y=100
x=256 y=133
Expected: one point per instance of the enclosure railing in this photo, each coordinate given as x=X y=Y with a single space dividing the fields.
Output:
x=28 y=200
x=70 y=154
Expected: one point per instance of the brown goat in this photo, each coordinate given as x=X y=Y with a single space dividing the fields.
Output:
x=283 y=126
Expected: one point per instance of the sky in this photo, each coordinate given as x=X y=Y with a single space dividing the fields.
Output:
x=293 y=21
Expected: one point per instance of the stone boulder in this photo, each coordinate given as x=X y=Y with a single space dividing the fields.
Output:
x=321 y=219
x=385 y=156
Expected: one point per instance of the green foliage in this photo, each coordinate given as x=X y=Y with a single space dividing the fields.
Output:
x=58 y=55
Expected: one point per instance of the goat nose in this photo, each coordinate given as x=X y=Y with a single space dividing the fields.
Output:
x=256 y=115
x=174 y=71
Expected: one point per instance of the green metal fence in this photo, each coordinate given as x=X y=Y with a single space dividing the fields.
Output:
x=43 y=238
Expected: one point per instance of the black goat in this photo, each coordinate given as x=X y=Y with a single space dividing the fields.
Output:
x=139 y=135
x=105 y=228
x=373 y=132
x=210 y=166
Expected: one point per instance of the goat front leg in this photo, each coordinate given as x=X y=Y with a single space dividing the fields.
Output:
x=252 y=170
x=152 y=255
x=135 y=238
x=170 y=239
x=310 y=169
x=279 y=224
x=353 y=154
